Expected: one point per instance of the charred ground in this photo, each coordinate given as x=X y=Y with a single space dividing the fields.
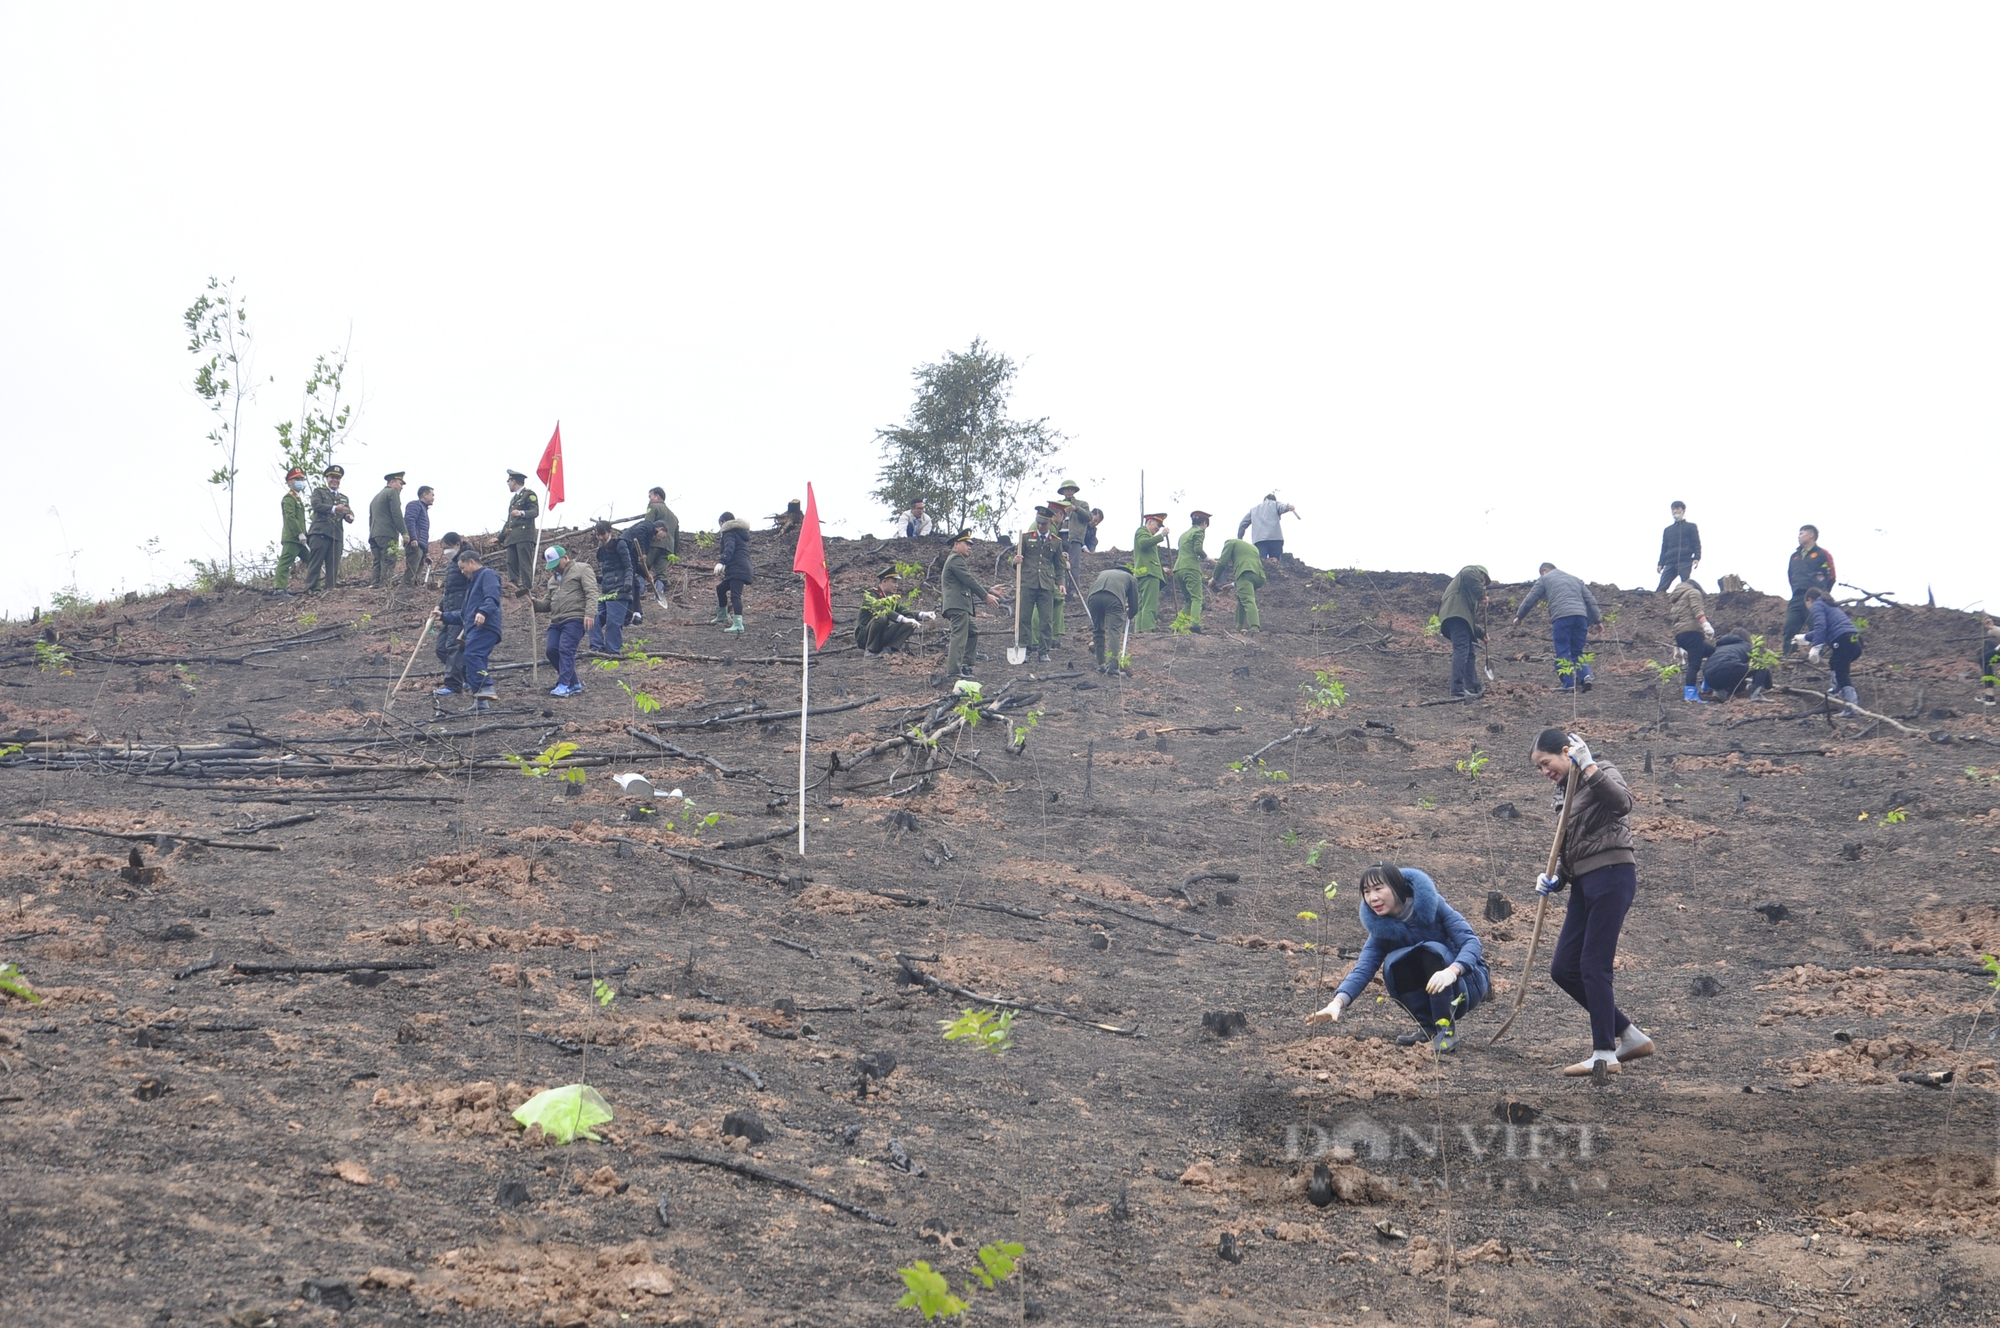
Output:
x=194 y=1144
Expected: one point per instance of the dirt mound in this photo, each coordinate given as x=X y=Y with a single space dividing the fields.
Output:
x=506 y=873
x=557 y=1283
x=1880 y=1060
x=1818 y=993
x=1357 y=1066
x=1904 y=1198
x=464 y=933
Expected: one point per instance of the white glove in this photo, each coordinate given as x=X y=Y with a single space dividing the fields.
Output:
x=926 y=616
x=1331 y=1014
x=1799 y=640
x=1579 y=752
x=1813 y=654
x=718 y=569
x=1443 y=979
x=1708 y=633
x=1547 y=885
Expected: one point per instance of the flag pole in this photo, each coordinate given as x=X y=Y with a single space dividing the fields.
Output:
x=805 y=669
x=534 y=655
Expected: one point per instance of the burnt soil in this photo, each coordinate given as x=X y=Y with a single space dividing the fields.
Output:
x=196 y=1147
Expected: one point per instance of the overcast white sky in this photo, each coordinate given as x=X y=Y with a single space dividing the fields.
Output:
x=1466 y=283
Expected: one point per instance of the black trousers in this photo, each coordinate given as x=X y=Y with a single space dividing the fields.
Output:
x=730 y=594
x=1796 y=616
x=521 y=564
x=1698 y=650
x=451 y=654
x=1682 y=571
x=1845 y=652
x=1464 y=671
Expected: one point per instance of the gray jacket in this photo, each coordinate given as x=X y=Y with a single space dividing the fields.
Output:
x=1567 y=596
x=1262 y=521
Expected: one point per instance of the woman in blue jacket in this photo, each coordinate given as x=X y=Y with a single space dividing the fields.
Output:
x=1429 y=958
x=1830 y=630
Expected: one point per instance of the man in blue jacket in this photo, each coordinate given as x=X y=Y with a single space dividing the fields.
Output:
x=479 y=616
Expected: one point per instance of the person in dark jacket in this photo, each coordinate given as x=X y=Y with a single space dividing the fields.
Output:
x=1729 y=665
x=385 y=526
x=1831 y=632
x=733 y=571
x=1572 y=613
x=1113 y=601
x=1461 y=618
x=1039 y=550
x=1430 y=960
x=1598 y=859
x=1989 y=660
x=479 y=615
x=618 y=578
x=663 y=548
x=451 y=632
x=417 y=534
x=327 y=533
x=1680 y=548
x=1810 y=566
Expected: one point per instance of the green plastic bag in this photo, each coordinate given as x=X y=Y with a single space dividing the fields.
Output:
x=565 y=1113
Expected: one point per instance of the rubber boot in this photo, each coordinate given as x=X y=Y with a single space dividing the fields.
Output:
x=1852 y=698
x=735 y=623
x=1691 y=694
x=721 y=618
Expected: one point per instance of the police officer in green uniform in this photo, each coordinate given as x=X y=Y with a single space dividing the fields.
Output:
x=886 y=621
x=665 y=548
x=518 y=535
x=1146 y=542
x=292 y=543
x=386 y=531
x=1113 y=595
x=962 y=593
x=1187 y=564
x=1039 y=550
x=330 y=513
x=1239 y=564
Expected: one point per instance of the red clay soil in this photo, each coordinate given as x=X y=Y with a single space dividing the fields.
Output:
x=194 y=1143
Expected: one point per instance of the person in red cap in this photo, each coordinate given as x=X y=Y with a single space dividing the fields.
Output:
x=292 y=543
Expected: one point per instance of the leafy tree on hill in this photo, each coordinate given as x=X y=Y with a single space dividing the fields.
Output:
x=219 y=328
x=958 y=451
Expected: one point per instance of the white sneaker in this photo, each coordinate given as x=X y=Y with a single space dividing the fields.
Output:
x=1585 y=1068
x=1633 y=1043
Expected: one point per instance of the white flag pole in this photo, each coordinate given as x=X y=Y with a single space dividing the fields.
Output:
x=805 y=669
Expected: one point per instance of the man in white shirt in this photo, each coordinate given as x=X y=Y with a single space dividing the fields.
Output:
x=915 y=523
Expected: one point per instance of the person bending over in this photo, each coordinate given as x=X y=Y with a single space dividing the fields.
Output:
x=1429 y=958
x=1693 y=636
x=1830 y=632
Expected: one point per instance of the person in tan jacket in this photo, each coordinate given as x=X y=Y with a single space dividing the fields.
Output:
x=1694 y=638
x=570 y=604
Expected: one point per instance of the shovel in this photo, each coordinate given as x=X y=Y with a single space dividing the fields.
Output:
x=1541 y=906
x=1124 y=644
x=1486 y=654
x=1016 y=653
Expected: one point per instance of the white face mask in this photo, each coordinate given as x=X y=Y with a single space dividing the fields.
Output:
x=298 y=486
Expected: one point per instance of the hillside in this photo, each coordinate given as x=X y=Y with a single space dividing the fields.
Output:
x=200 y=1129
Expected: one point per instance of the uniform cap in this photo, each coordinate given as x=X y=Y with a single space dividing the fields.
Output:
x=517 y=475
x=392 y=475
x=1057 y=505
x=1199 y=515
x=1042 y=510
x=965 y=534
x=295 y=474
x=335 y=472
x=1154 y=516
x=889 y=573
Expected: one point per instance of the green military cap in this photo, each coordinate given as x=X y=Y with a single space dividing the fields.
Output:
x=963 y=536
x=1154 y=516
x=334 y=472
x=1067 y=485
x=393 y=475
x=889 y=573
x=1057 y=505
x=1199 y=515
x=517 y=475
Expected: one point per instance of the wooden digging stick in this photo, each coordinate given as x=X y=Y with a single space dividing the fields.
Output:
x=390 y=700
x=1541 y=906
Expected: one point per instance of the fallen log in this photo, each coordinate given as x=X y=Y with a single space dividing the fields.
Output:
x=372 y=966
x=1822 y=696
x=773 y=1178
x=150 y=836
x=761 y=716
x=702 y=861
x=908 y=964
x=1305 y=731
x=1141 y=917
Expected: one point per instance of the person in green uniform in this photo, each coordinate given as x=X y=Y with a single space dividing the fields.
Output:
x=1113 y=595
x=1187 y=565
x=887 y=618
x=1146 y=542
x=962 y=593
x=1039 y=550
x=1239 y=564
x=325 y=534
x=386 y=531
x=292 y=543
x=518 y=535
x=665 y=548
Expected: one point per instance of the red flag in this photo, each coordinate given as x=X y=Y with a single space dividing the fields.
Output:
x=810 y=562
x=550 y=471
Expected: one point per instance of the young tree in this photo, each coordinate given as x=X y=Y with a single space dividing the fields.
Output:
x=959 y=451
x=309 y=442
x=219 y=327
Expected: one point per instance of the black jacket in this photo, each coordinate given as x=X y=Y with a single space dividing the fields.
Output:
x=1680 y=543
x=455 y=583
x=1731 y=651
x=734 y=554
x=614 y=569
x=1809 y=568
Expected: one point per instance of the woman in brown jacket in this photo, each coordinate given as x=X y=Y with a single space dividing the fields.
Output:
x=1693 y=636
x=1597 y=859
